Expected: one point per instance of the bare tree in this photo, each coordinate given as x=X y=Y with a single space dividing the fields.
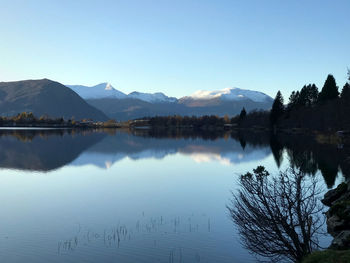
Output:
x=278 y=217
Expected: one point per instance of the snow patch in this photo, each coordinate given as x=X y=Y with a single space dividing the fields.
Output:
x=152 y=97
x=103 y=90
x=230 y=94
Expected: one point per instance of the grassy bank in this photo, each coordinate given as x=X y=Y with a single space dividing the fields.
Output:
x=328 y=256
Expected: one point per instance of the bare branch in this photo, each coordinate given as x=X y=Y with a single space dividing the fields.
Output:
x=278 y=217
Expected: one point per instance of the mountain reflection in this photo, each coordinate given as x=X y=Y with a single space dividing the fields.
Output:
x=114 y=148
x=45 y=150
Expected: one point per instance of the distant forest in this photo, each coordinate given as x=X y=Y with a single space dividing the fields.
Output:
x=28 y=119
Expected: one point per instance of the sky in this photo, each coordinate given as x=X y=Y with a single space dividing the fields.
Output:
x=178 y=46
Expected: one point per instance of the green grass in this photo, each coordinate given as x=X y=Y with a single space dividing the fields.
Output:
x=328 y=256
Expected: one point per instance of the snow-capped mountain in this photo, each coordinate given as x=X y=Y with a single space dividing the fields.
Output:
x=152 y=97
x=118 y=105
x=106 y=90
x=103 y=90
x=230 y=94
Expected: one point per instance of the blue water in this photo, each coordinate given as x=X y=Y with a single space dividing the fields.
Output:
x=100 y=197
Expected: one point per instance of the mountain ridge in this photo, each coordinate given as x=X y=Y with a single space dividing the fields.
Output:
x=103 y=101
x=45 y=97
x=105 y=90
x=136 y=105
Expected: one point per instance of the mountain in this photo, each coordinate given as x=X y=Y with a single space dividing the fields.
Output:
x=45 y=97
x=118 y=105
x=128 y=109
x=107 y=91
x=234 y=94
x=157 y=97
x=103 y=90
x=229 y=100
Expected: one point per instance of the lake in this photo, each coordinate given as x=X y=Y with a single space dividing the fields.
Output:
x=116 y=196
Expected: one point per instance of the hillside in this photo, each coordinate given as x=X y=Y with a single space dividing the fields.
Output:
x=121 y=106
x=126 y=109
x=45 y=97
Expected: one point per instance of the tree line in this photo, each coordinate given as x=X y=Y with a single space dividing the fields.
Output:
x=309 y=108
x=29 y=117
x=208 y=121
x=328 y=107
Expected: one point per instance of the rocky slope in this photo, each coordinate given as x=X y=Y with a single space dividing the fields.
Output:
x=338 y=216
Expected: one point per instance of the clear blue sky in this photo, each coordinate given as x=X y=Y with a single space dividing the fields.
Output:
x=176 y=46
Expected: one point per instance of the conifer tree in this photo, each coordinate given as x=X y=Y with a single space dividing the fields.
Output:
x=293 y=100
x=345 y=93
x=242 y=114
x=308 y=95
x=329 y=90
x=277 y=108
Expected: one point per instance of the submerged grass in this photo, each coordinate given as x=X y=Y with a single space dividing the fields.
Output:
x=328 y=256
x=328 y=139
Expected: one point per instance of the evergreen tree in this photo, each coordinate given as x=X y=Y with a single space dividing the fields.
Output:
x=313 y=94
x=303 y=96
x=242 y=114
x=345 y=93
x=293 y=100
x=277 y=108
x=329 y=90
x=308 y=95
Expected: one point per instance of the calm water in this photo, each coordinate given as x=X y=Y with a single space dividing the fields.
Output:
x=116 y=197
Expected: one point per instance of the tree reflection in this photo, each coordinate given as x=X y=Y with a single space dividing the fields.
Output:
x=243 y=143
x=303 y=160
x=329 y=172
x=277 y=150
x=278 y=217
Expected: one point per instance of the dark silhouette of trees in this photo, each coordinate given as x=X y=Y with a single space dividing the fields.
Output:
x=243 y=143
x=277 y=108
x=243 y=114
x=28 y=119
x=307 y=110
x=326 y=111
x=329 y=90
x=329 y=172
x=303 y=159
x=278 y=217
x=293 y=100
x=277 y=150
x=345 y=93
x=308 y=95
x=193 y=121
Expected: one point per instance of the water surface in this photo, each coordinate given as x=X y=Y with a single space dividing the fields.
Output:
x=110 y=196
